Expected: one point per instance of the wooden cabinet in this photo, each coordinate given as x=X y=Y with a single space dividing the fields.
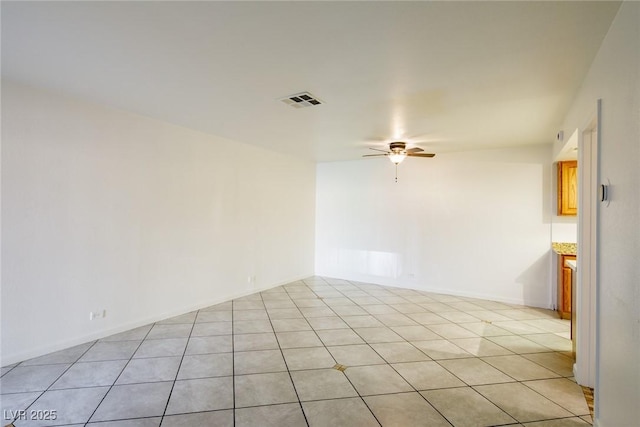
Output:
x=565 y=274
x=568 y=188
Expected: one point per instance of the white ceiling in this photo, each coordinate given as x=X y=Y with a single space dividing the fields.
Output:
x=455 y=75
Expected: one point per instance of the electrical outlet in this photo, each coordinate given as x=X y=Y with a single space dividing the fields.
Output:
x=97 y=314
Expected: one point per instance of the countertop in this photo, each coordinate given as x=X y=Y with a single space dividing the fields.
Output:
x=565 y=248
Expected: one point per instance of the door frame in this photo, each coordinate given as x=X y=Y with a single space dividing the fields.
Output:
x=587 y=277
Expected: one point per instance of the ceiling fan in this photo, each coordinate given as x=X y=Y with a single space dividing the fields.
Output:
x=398 y=151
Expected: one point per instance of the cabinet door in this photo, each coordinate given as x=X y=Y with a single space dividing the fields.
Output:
x=567 y=273
x=568 y=188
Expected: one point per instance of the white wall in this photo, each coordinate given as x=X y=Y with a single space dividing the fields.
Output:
x=102 y=209
x=473 y=223
x=563 y=228
x=615 y=78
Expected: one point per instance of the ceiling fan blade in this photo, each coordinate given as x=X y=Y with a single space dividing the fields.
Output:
x=374 y=155
x=414 y=150
x=377 y=149
x=421 y=154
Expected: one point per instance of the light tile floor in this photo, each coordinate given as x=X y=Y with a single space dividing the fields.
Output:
x=412 y=359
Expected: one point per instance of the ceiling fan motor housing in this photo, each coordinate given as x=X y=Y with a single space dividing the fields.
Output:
x=397 y=146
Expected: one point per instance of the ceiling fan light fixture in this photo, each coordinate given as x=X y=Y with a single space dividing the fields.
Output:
x=397 y=158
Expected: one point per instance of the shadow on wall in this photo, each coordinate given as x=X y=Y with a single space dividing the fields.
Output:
x=533 y=290
x=524 y=157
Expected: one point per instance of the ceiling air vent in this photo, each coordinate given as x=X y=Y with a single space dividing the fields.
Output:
x=302 y=99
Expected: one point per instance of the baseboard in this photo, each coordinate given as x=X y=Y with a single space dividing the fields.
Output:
x=477 y=295
x=61 y=345
x=445 y=291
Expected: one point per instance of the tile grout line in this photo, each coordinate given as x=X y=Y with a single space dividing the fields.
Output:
x=436 y=361
x=528 y=421
x=285 y=360
x=474 y=386
x=367 y=289
x=392 y=367
x=404 y=379
x=471 y=356
x=343 y=373
x=552 y=401
x=116 y=380
x=184 y=352
x=389 y=327
x=233 y=365
x=54 y=381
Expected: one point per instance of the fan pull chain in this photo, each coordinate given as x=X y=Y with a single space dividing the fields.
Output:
x=396 y=173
